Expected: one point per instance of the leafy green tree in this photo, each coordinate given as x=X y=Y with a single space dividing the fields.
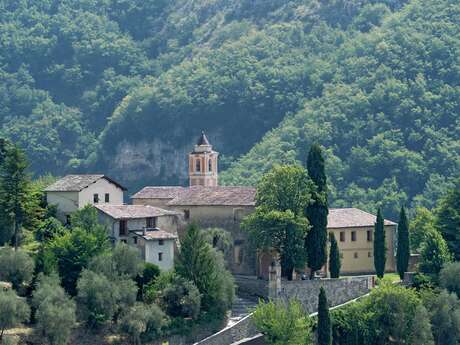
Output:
x=423 y=223
x=317 y=211
x=379 y=245
x=178 y=297
x=434 y=255
x=16 y=267
x=448 y=219
x=55 y=311
x=324 y=321
x=278 y=221
x=444 y=311
x=449 y=277
x=14 y=189
x=204 y=266
x=142 y=321
x=421 y=328
x=403 y=248
x=13 y=311
x=334 y=257
x=72 y=252
x=283 y=324
x=149 y=273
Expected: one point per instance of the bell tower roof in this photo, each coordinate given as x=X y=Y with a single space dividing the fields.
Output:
x=203 y=140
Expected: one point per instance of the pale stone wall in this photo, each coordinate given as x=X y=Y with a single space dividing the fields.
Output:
x=101 y=187
x=67 y=203
x=153 y=248
x=251 y=287
x=338 y=291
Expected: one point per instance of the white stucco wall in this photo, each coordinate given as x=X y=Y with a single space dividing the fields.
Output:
x=101 y=187
x=67 y=203
x=152 y=248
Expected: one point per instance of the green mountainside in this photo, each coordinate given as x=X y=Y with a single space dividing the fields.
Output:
x=125 y=86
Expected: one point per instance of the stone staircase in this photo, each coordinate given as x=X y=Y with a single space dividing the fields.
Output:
x=240 y=308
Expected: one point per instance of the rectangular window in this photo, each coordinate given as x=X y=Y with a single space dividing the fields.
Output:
x=135 y=240
x=198 y=165
x=369 y=254
x=161 y=242
x=355 y=255
x=186 y=214
x=151 y=222
x=160 y=256
x=369 y=236
x=342 y=236
x=123 y=227
x=96 y=198
x=353 y=236
x=107 y=197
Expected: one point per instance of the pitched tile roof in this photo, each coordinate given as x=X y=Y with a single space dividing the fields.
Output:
x=166 y=192
x=76 y=183
x=155 y=235
x=215 y=196
x=351 y=218
x=133 y=211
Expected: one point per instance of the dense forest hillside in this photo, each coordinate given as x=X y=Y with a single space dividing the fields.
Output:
x=125 y=86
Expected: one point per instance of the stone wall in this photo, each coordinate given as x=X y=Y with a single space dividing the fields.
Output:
x=251 y=287
x=338 y=291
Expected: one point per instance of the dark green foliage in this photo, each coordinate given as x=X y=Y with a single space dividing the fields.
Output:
x=324 y=322
x=444 y=312
x=148 y=275
x=204 y=266
x=278 y=221
x=16 y=266
x=448 y=219
x=334 y=257
x=434 y=254
x=13 y=310
x=380 y=250
x=317 y=211
x=449 y=277
x=403 y=248
x=14 y=198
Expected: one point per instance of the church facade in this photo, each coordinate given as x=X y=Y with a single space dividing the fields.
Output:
x=209 y=205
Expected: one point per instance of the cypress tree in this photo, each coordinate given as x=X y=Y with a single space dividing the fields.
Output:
x=14 y=187
x=334 y=257
x=324 y=320
x=403 y=252
x=379 y=246
x=316 y=240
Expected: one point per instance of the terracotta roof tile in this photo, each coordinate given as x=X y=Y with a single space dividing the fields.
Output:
x=215 y=196
x=166 y=192
x=350 y=218
x=133 y=211
x=156 y=235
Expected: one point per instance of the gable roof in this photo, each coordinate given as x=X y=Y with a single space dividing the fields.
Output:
x=76 y=183
x=215 y=196
x=351 y=218
x=165 y=192
x=133 y=211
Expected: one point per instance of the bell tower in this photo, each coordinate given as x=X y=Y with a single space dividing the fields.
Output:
x=202 y=162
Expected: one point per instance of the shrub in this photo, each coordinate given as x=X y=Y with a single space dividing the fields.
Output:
x=142 y=321
x=434 y=255
x=449 y=277
x=16 y=267
x=13 y=311
x=283 y=324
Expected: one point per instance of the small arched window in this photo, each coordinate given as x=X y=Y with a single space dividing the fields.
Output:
x=197 y=165
x=210 y=165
